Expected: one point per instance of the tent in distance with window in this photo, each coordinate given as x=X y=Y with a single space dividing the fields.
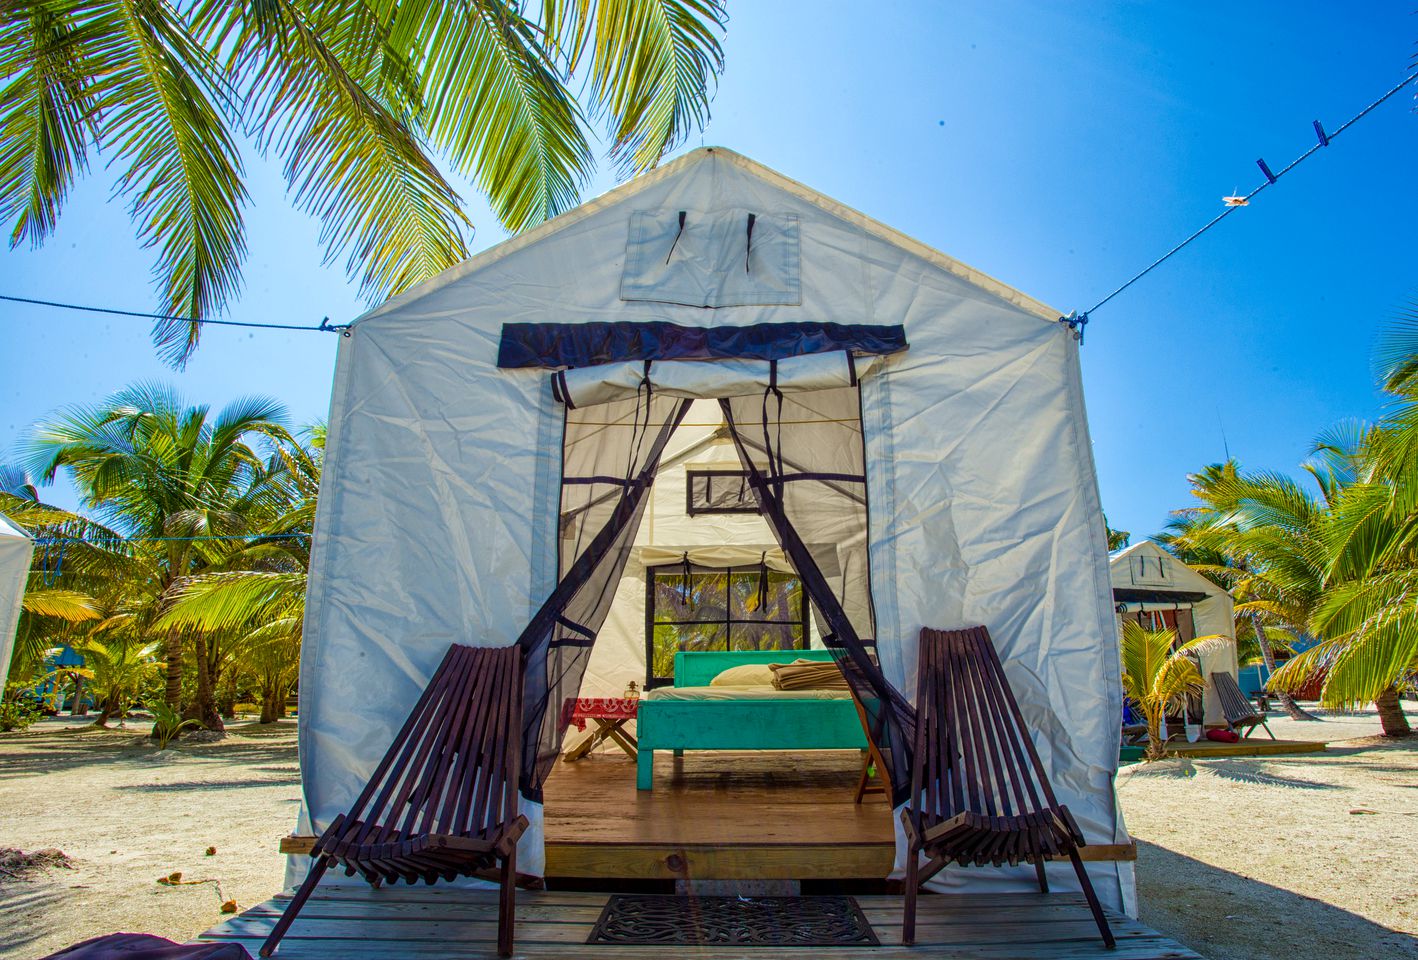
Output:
x=711 y=388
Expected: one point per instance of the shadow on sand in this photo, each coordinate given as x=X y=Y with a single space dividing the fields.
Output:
x=24 y=905
x=1226 y=916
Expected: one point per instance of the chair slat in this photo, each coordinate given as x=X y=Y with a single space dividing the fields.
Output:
x=979 y=792
x=442 y=802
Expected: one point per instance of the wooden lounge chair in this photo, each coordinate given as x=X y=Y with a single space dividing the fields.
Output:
x=979 y=794
x=1242 y=716
x=443 y=801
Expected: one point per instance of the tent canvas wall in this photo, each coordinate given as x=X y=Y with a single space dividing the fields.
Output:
x=16 y=550
x=1148 y=579
x=440 y=507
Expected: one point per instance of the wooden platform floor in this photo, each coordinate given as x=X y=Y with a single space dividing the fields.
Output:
x=426 y=922
x=1255 y=746
x=716 y=815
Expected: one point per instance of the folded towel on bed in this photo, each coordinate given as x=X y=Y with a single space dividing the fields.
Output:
x=808 y=675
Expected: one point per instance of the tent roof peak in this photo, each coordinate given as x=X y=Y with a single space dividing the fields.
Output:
x=684 y=164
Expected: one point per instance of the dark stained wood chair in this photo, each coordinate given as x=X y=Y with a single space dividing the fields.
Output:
x=1242 y=716
x=979 y=793
x=443 y=801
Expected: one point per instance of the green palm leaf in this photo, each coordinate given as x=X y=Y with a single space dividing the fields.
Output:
x=652 y=64
x=178 y=161
x=495 y=104
x=348 y=159
x=46 y=111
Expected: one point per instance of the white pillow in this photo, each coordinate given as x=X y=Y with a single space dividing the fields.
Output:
x=745 y=675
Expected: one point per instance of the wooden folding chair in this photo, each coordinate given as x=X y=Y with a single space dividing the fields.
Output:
x=1242 y=716
x=443 y=801
x=979 y=793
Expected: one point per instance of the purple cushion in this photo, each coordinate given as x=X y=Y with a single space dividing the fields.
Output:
x=145 y=946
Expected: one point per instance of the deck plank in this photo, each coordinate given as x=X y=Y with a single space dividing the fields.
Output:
x=427 y=922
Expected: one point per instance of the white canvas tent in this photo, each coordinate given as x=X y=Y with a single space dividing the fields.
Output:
x=1150 y=581
x=16 y=550
x=456 y=490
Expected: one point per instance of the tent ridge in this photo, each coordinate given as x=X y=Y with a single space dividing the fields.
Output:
x=631 y=188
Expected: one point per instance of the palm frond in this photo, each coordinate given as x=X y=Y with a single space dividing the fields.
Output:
x=653 y=63
x=66 y=605
x=46 y=112
x=495 y=104
x=178 y=161
x=226 y=601
x=348 y=159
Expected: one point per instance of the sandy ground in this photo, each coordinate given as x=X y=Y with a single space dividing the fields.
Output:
x=1264 y=858
x=1239 y=859
x=128 y=814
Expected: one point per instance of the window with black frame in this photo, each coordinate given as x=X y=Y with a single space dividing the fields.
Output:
x=717 y=608
x=718 y=491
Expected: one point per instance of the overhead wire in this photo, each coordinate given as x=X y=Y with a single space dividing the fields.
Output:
x=1078 y=320
x=325 y=326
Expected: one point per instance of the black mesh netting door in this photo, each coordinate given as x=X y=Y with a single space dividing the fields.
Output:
x=806 y=463
x=610 y=454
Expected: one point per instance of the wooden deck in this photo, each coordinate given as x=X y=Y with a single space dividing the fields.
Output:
x=717 y=815
x=752 y=815
x=426 y=922
x=1256 y=745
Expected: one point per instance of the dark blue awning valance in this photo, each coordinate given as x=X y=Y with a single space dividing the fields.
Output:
x=557 y=345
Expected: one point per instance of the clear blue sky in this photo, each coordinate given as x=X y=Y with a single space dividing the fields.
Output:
x=1059 y=147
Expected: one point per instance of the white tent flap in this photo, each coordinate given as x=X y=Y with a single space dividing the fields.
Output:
x=697 y=379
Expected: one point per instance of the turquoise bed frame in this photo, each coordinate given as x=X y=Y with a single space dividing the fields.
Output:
x=681 y=725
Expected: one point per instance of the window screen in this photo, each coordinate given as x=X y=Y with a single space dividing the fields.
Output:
x=732 y=608
x=719 y=491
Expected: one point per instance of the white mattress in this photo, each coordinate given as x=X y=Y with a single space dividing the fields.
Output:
x=743 y=693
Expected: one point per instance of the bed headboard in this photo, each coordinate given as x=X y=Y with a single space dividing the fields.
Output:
x=695 y=668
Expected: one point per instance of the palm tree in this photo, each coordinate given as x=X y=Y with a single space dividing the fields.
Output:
x=1156 y=677
x=1256 y=537
x=172 y=481
x=356 y=99
x=1369 y=614
x=252 y=604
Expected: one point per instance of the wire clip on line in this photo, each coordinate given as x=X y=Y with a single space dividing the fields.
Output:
x=1076 y=321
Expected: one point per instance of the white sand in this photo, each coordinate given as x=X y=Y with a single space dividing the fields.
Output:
x=1240 y=859
x=1252 y=858
x=129 y=814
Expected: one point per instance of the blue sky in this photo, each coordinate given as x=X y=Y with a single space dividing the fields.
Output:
x=1058 y=147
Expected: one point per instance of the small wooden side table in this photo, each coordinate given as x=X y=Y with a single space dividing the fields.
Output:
x=609 y=714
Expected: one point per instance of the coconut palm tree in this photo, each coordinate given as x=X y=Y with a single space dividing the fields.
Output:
x=1369 y=614
x=1256 y=537
x=172 y=481
x=1156 y=677
x=251 y=605
x=357 y=100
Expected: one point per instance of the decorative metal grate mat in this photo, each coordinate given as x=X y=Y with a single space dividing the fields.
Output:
x=733 y=921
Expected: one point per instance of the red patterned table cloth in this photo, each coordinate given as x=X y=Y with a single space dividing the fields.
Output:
x=581 y=709
x=609 y=714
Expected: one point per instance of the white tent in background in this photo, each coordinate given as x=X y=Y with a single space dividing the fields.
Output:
x=1156 y=589
x=485 y=424
x=16 y=549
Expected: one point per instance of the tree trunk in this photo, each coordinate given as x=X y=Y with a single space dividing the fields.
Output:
x=206 y=706
x=77 y=708
x=106 y=712
x=172 y=653
x=1391 y=715
x=273 y=704
x=1287 y=702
